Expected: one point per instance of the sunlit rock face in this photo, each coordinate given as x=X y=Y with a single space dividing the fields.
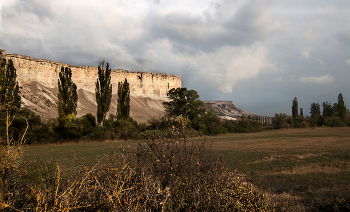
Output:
x=227 y=110
x=38 y=79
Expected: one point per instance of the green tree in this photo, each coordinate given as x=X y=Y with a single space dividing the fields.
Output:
x=281 y=121
x=9 y=89
x=209 y=124
x=67 y=93
x=341 y=107
x=123 y=108
x=335 y=109
x=315 y=110
x=301 y=112
x=103 y=91
x=295 y=109
x=327 y=109
x=184 y=102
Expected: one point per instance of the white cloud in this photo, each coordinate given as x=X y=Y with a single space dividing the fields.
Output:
x=278 y=79
x=305 y=53
x=326 y=79
x=228 y=65
x=347 y=61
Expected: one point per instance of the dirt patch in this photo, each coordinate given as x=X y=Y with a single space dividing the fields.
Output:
x=316 y=168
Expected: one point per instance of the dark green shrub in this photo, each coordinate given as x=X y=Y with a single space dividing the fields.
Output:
x=127 y=129
x=91 y=118
x=230 y=125
x=158 y=124
x=248 y=126
x=334 y=121
x=209 y=124
x=282 y=121
x=37 y=131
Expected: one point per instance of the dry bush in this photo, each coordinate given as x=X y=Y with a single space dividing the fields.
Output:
x=194 y=175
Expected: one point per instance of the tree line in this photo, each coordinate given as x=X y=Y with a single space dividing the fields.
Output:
x=333 y=115
x=183 y=109
x=67 y=126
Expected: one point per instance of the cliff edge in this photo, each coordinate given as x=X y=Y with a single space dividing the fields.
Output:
x=38 y=80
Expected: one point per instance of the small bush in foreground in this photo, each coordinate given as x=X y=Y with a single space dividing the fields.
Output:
x=193 y=175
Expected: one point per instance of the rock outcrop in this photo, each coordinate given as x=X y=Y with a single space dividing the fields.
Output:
x=38 y=80
x=227 y=110
x=46 y=72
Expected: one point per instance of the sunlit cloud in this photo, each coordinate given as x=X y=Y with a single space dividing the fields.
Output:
x=326 y=79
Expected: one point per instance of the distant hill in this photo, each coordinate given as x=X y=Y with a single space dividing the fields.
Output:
x=227 y=110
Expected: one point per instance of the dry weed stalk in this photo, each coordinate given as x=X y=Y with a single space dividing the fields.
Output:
x=10 y=151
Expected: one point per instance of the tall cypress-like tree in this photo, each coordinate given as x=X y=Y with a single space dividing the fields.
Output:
x=103 y=91
x=341 y=107
x=9 y=89
x=67 y=93
x=123 y=108
x=295 y=109
x=301 y=112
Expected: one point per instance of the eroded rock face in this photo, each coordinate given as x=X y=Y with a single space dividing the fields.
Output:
x=38 y=80
x=46 y=73
x=227 y=110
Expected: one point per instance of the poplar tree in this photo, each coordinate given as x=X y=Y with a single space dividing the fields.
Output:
x=341 y=107
x=295 y=109
x=123 y=108
x=103 y=91
x=67 y=93
x=9 y=89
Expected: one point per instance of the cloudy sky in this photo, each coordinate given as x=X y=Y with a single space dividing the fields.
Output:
x=260 y=54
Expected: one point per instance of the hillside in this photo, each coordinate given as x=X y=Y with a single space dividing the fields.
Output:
x=227 y=110
x=43 y=101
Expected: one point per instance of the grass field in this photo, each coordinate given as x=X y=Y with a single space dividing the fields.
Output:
x=310 y=166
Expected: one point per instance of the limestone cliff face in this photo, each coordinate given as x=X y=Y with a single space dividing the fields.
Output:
x=38 y=79
x=46 y=72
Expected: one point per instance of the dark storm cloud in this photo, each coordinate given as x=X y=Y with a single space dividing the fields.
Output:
x=192 y=32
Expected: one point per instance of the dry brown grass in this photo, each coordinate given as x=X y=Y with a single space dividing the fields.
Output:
x=302 y=169
x=312 y=165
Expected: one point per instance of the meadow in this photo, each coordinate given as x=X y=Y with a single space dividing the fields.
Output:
x=306 y=169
